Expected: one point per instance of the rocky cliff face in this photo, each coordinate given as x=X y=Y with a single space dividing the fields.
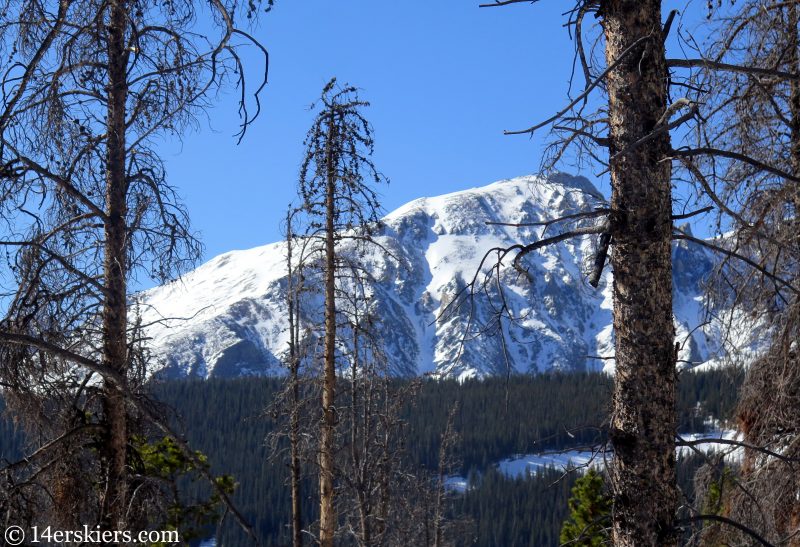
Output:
x=227 y=317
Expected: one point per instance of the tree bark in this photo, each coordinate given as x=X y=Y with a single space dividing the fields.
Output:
x=643 y=422
x=115 y=309
x=327 y=518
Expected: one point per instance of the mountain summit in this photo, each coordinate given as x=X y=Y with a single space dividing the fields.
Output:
x=227 y=317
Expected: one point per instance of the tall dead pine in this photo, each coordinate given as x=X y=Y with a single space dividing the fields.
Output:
x=327 y=513
x=293 y=290
x=336 y=196
x=115 y=309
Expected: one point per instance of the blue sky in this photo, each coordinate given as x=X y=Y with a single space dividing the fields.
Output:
x=444 y=77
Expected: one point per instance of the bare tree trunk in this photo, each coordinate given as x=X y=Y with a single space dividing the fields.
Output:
x=357 y=463
x=115 y=341
x=794 y=106
x=384 y=481
x=294 y=441
x=327 y=513
x=335 y=196
x=292 y=291
x=447 y=442
x=384 y=470
x=794 y=110
x=643 y=422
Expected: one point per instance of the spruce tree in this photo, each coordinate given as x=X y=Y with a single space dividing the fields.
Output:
x=589 y=513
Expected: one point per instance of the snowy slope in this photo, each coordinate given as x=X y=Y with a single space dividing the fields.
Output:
x=563 y=460
x=227 y=317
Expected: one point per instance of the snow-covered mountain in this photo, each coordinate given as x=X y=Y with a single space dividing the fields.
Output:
x=228 y=316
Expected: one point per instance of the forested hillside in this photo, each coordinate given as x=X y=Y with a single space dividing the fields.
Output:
x=226 y=420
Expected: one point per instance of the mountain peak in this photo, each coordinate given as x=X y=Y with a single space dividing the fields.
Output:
x=228 y=316
x=578 y=182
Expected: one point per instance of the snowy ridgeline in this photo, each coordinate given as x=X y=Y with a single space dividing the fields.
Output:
x=531 y=464
x=227 y=317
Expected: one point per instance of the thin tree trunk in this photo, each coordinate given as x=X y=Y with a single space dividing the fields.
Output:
x=294 y=416
x=327 y=518
x=439 y=501
x=444 y=453
x=794 y=106
x=294 y=440
x=643 y=422
x=794 y=111
x=115 y=309
x=384 y=480
x=358 y=464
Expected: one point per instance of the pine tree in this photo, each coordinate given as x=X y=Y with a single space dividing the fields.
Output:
x=338 y=198
x=590 y=513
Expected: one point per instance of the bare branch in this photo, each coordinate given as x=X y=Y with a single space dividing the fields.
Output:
x=497 y=3
x=577 y=232
x=729 y=522
x=707 y=63
x=600 y=259
x=585 y=92
x=785 y=284
x=731 y=442
x=708 y=151
x=693 y=213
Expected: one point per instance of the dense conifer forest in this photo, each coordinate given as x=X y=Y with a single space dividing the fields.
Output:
x=227 y=420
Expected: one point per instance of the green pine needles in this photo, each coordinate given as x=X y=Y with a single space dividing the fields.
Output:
x=589 y=517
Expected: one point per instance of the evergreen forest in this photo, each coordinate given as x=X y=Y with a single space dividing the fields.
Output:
x=228 y=421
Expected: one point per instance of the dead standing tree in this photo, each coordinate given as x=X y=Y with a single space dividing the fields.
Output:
x=294 y=291
x=643 y=421
x=376 y=489
x=743 y=156
x=88 y=88
x=293 y=407
x=375 y=476
x=340 y=204
x=633 y=126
